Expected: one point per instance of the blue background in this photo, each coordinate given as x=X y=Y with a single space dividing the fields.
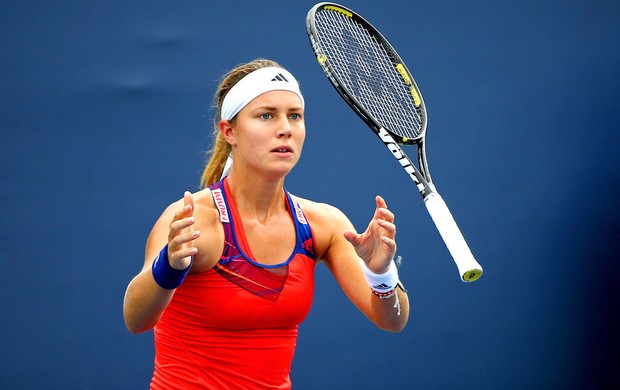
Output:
x=105 y=115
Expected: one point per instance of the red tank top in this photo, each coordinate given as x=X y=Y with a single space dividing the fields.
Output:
x=235 y=326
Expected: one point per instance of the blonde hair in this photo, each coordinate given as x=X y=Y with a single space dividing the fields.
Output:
x=221 y=149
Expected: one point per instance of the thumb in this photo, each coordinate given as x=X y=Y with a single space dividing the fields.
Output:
x=352 y=237
x=188 y=199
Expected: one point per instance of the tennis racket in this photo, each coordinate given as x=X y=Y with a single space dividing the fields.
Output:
x=371 y=77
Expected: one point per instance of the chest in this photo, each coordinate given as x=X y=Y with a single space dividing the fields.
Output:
x=270 y=243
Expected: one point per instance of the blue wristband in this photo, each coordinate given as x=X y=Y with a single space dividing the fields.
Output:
x=163 y=273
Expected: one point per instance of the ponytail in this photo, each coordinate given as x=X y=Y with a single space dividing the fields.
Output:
x=221 y=149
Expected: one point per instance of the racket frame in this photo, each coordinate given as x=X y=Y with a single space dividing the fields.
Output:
x=420 y=174
x=469 y=269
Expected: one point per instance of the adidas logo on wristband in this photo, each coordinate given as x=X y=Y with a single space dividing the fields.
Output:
x=382 y=287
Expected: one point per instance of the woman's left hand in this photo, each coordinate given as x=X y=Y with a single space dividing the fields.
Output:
x=376 y=246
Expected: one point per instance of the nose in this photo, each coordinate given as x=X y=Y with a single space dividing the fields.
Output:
x=284 y=128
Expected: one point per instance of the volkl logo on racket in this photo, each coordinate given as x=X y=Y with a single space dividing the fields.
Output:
x=402 y=158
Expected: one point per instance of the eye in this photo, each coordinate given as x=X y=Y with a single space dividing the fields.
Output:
x=266 y=115
x=295 y=116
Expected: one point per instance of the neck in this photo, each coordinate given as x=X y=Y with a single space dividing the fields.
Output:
x=255 y=197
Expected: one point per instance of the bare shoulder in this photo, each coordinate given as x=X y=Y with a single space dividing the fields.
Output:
x=209 y=243
x=327 y=222
x=207 y=219
x=203 y=201
x=318 y=212
x=204 y=211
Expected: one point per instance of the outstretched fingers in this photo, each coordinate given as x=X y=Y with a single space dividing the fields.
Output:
x=377 y=245
x=385 y=218
x=181 y=235
x=385 y=232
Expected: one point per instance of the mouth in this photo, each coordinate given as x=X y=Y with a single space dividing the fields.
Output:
x=282 y=149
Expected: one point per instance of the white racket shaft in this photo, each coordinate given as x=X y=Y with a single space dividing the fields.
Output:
x=469 y=269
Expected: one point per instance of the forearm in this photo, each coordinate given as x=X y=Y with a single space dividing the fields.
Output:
x=389 y=304
x=390 y=314
x=145 y=302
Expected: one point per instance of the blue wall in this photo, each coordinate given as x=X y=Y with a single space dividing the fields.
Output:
x=105 y=115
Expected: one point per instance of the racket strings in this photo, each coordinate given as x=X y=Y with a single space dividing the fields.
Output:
x=367 y=71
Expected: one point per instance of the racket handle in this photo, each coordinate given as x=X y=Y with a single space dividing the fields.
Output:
x=469 y=269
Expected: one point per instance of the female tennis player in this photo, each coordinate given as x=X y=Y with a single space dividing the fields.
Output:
x=229 y=270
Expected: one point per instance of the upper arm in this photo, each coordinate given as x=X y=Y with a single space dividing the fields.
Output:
x=341 y=258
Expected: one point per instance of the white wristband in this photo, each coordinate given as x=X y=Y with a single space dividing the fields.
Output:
x=382 y=283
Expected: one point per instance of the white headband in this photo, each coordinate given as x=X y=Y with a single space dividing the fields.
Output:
x=255 y=84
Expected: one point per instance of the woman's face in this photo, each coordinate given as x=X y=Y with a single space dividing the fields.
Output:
x=269 y=133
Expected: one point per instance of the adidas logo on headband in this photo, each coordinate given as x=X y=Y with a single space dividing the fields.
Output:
x=279 y=77
x=255 y=84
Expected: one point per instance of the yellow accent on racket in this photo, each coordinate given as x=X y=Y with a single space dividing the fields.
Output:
x=403 y=73
x=339 y=10
x=416 y=98
x=321 y=59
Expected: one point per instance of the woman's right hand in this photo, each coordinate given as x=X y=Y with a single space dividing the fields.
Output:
x=181 y=235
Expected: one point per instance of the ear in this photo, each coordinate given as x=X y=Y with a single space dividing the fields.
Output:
x=228 y=131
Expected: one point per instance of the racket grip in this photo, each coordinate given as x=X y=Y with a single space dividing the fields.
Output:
x=469 y=269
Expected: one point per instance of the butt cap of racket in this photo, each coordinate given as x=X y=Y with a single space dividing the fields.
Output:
x=472 y=275
x=469 y=269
